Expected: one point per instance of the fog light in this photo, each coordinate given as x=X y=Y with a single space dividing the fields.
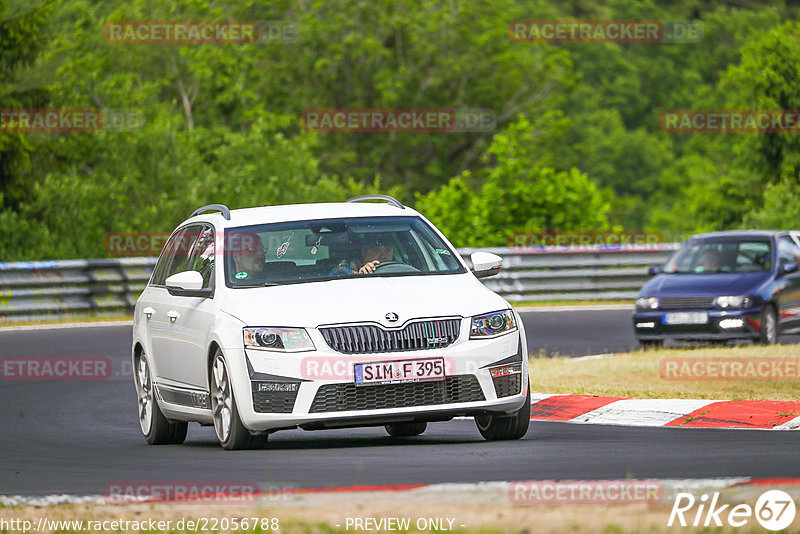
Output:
x=731 y=323
x=646 y=325
x=506 y=370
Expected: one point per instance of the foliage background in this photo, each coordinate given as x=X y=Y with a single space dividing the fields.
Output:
x=577 y=145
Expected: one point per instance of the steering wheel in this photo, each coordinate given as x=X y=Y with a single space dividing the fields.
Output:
x=395 y=266
x=389 y=263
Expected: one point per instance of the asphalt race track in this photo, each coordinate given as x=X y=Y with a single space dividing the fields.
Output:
x=76 y=437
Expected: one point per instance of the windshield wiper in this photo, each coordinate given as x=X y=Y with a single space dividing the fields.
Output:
x=265 y=284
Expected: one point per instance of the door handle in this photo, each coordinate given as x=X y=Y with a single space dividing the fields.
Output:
x=148 y=312
x=172 y=314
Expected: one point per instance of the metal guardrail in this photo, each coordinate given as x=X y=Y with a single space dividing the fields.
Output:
x=44 y=289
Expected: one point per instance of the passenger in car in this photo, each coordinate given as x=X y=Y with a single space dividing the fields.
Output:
x=248 y=257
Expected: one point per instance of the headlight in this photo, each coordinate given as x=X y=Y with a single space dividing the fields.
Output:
x=492 y=324
x=647 y=303
x=279 y=339
x=738 y=301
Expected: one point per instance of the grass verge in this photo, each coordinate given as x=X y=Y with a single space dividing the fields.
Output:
x=70 y=319
x=637 y=375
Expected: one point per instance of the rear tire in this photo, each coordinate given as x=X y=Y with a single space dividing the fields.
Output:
x=231 y=433
x=502 y=427
x=404 y=430
x=769 y=326
x=157 y=429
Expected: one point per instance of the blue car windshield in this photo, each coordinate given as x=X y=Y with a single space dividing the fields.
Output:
x=724 y=256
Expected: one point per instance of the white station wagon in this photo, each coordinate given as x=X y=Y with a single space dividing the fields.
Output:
x=323 y=316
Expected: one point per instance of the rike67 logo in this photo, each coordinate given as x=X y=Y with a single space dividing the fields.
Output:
x=774 y=510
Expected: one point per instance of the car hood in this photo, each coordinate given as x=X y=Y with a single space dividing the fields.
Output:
x=362 y=300
x=703 y=284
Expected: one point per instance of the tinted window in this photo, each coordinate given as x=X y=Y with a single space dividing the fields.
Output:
x=202 y=256
x=167 y=255
x=181 y=252
x=707 y=256
x=788 y=250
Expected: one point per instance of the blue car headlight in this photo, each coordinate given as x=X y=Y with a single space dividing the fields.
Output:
x=492 y=324
x=733 y=302
x=647 y=303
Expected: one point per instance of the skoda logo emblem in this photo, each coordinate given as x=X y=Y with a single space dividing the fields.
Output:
x=391 y=317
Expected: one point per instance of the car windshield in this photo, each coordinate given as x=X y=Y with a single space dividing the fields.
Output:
x=728 y=256
x=316 y=250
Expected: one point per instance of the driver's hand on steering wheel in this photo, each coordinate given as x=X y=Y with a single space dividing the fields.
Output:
x=369 y=267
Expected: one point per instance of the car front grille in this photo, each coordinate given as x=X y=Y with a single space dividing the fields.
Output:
x=674 y=303
x=274 y=397
x=505 y=386
x=350 y=397
x=371 y=339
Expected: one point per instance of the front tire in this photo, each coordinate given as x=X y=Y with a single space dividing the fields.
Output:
x=502 y=427
x=404 y=430
x=157 y=429
x=231 y=433
x=769 y=326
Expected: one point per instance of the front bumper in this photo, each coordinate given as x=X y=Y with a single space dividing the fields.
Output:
x=316 y=389
x=721 y=325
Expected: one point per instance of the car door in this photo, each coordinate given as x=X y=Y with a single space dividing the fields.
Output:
x=155 y=304
x=788 y=297
x=190 y=334
x=181 y=257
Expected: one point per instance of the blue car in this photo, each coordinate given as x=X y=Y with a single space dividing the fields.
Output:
x=723 y=286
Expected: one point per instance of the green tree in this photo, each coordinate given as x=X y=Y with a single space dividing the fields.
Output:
x=21 y=39
x=518 y=192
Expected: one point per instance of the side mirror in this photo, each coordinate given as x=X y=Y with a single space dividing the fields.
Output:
x=485 y=264
x=186 y=283
x=654 y=270
x=788 y=267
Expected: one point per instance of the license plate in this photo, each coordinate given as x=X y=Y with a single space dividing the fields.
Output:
x=400 y=371
x=686 y=318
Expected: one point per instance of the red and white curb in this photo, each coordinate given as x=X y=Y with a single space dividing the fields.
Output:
x=684 y=413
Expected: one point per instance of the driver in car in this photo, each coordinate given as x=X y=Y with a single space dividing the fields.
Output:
x=710 y=261
x=248 y=258
x=374 y=251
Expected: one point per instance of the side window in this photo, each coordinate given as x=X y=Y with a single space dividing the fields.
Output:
x=164 y=261
x=788 y=250
x=202 y=256
x=182 y=250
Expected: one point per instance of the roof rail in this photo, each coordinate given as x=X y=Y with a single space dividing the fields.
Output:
x=216 y=207
x=391 y=200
